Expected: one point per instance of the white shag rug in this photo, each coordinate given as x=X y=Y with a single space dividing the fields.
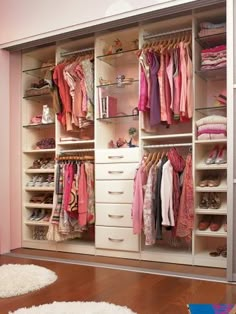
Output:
x=75 y=308
x=17 y=279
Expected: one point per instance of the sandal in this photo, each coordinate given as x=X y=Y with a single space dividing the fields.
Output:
x=215 y=201
x=204 y=203
x=37 y=199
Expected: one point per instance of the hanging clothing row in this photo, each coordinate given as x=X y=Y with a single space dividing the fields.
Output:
x=163 y=196
x=73 y=81
x=74 y=205
x=166 y=81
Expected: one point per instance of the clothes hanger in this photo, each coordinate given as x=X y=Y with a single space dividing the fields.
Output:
x=157 y=158
x=151 y=162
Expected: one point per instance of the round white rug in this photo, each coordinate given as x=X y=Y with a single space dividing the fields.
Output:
x=17 y=279
x=75 y=308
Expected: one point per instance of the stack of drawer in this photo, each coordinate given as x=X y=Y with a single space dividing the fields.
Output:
x=114 y=171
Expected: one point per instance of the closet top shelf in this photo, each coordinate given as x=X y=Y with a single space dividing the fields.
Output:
x=212 y=40
x=205 y=110
x=120 y=58
x=39 y=71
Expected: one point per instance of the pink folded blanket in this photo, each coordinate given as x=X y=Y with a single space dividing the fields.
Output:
x=209 y=131
x=211 y=136
x=216 y=126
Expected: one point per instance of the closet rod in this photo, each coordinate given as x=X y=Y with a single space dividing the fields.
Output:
x=168 y=145
x=167 y=33
x=64 y=54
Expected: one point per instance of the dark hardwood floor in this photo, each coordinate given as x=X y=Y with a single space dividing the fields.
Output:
x=142 y=292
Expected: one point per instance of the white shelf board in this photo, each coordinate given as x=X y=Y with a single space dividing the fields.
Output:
x=38 y=205
x=210 y=211
x=234 y=86
x=82 y=142
x=167 y=255
x=40 y=188
x=221 y=188
x=224 y=140
x=39 y=151
x=201 y=165
x=208 y=233
x=234 y=181
x=39 y=244
x=204 y=259
x=177 y=135
x=36 y=223
x=40 y=170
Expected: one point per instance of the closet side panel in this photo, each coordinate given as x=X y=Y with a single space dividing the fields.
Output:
x=15 y=149
x=231 y=95
x=5 y=153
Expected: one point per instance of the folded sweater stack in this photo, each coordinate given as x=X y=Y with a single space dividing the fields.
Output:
x=213 y=58
x=207 y=29
x=212 y=127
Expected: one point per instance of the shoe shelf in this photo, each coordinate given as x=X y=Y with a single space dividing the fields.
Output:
x=223 y=140
x=208 y=233
x=203 y=258
x=213 y=74
x=220 y=188
x=203 y=166
x=119 y=119
x=39 y=98
x=29 y=171
x=210 y=211
x=120 y=58
x=40 y=188
x=38 y=205
x=39 y=126
x=38 y=72
x=36 y=223
x=115 y=89
x=40 y=151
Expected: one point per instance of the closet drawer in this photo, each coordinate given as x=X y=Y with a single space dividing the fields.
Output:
x=114 y=191
x=116 y=215
x=115 y=171
x=114 y=238
x=117 y=155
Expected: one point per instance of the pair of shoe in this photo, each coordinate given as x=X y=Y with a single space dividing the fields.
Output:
x=38 y=214
x=217 y=156
x=211 y=221
x=221 y=250
x=210 y=200
x=210 y=181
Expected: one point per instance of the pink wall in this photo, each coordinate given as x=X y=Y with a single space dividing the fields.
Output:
x=5 y=153
x=25 y=20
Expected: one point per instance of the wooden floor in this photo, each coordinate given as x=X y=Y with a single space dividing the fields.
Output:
x=143 y=293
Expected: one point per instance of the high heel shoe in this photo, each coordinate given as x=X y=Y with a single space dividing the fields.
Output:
x=222 y=156
x=212 y=155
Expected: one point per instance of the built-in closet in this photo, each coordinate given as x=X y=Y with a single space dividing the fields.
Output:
x=118 y=135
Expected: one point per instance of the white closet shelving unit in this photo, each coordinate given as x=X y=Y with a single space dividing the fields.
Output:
x=115 y=167
x=35 y=64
